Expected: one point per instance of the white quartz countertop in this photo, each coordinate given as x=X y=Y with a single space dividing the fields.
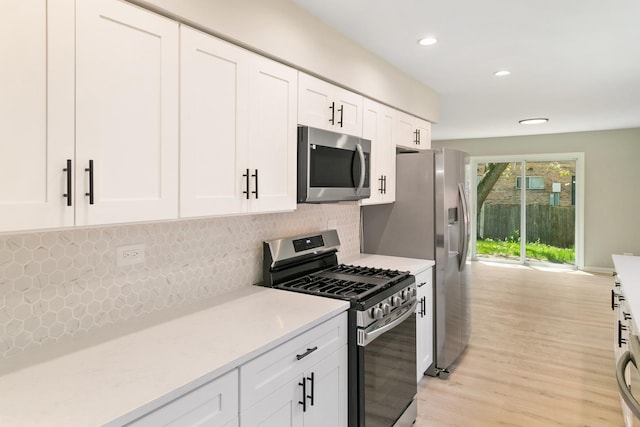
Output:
x=628 y=269
x=99 y=384
x=412 y=265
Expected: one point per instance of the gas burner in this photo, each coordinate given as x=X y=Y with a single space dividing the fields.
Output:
x=330 y=287
x=379 y=273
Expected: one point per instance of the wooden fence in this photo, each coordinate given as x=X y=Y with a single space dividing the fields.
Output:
x=552 y=225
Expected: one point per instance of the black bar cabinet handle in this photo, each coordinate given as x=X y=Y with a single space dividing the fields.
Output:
x=418 y=135
x=68 y=194
x=416 y=138
x=332 y=107
x=385 y=184
x=310 y=396
x=90 y=170
x=381 y=184
x=256 y=177
x=341 y=109
x=613 y=296
x=246 y=177
x=620 y=339
x=303 y=402
x=306 y=353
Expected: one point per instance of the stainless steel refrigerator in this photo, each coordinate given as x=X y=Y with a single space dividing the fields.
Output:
x=430 y=220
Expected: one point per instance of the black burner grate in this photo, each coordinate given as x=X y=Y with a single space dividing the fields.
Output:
x=345 y=282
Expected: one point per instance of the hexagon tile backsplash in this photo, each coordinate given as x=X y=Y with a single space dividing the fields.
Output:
x=57 y=284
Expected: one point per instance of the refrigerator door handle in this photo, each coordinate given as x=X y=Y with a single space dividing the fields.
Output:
x=465 y=231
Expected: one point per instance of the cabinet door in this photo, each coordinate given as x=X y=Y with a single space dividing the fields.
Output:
x=348 y=114
x=36 y=113
x=272 y=135
x=377 y=125
x=314 y=102
x=424 y=319
x=424 y=134
x=214 y=404
x=327 y=383
x=126 y=113
x=326 y=106
x=213 y=125
x=404 y=131
x=282 y=408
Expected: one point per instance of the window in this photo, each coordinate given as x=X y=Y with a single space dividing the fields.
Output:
x=533 y=182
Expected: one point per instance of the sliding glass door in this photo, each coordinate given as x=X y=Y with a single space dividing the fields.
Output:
x=528 y=209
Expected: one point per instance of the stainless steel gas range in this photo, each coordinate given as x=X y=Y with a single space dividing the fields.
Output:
x=382 y=347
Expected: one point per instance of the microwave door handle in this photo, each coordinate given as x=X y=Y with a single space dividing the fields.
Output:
x=362 y=168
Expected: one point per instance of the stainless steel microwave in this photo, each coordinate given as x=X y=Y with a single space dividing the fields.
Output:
x=332 y=167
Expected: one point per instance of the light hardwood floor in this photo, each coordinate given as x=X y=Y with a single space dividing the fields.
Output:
x=541 y=354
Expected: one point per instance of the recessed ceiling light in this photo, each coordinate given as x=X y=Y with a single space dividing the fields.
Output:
x=427 y=41
x=535 y=121
x=502 y=73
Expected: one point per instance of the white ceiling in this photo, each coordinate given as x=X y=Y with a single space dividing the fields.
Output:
x=576 y=62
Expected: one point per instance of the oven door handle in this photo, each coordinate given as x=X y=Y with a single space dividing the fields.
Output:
x=363 y=165
x=367 y=337
x=625 y=392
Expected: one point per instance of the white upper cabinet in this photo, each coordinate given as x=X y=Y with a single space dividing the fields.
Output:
x=377 y=125
x=213 y=125
x=411 y=132
x=126 y=113
x=273 y=135
x=36 y=114
x=326 y=106
x=238 y=129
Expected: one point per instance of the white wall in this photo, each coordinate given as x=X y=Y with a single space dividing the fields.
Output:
x=612 y=195
x=283 y=31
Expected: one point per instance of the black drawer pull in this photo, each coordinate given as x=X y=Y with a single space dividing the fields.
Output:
x=306 y=353
x=303 y=402
x=68 y=194
x=256 y=177
x=332 y=107
x=246 y=177
x=90 y=194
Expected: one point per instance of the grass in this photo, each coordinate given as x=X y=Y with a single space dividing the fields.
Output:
x=538 y=251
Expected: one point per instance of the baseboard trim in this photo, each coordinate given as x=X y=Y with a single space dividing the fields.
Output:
x=589 y=269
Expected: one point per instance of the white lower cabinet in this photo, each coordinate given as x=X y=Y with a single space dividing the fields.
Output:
x=424 y=320
x=215 y=404
x=316 y=398
x=302 y=382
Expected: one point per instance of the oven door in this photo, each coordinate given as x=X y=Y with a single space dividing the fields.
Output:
x=388 y=375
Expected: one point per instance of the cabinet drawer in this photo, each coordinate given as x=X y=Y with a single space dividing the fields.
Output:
x=215 y=404
x=272 y=370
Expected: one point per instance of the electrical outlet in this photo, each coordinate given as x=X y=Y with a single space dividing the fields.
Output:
x=129 y=255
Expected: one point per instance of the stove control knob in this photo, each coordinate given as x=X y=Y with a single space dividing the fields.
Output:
x=377 y=313
x=386 y=308
x=396 y=301
x=413 y=292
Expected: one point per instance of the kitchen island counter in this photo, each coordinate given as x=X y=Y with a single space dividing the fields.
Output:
x=628 y=270
x=139 y=371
